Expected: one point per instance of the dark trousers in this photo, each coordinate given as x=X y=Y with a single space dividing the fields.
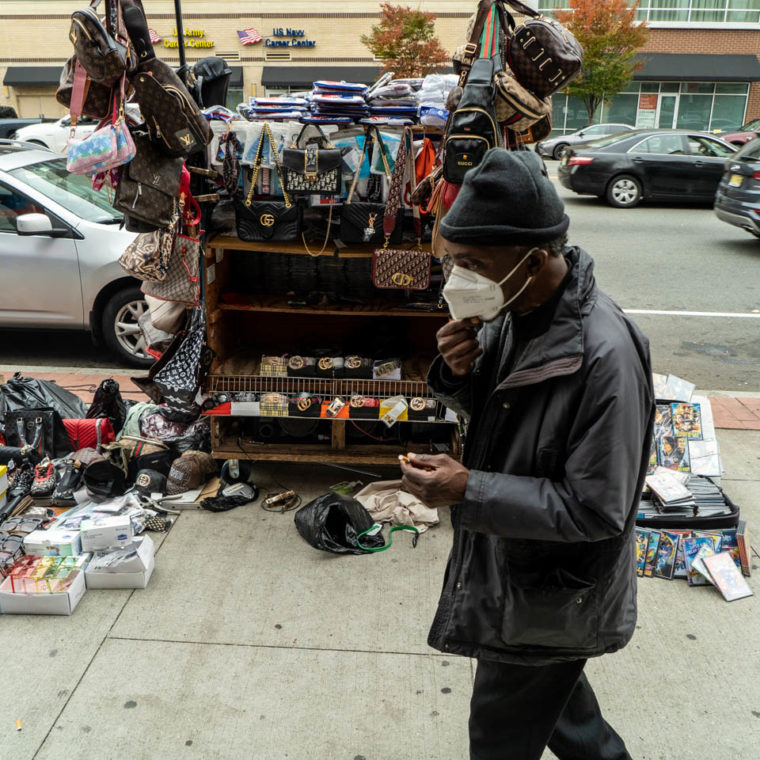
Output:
x=517 y=711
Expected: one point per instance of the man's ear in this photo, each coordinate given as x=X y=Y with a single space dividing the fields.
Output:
x=536 y=261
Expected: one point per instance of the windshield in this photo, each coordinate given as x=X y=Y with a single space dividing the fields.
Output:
x=750 y=126
x=72 y=191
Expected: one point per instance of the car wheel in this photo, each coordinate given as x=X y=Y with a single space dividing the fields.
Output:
x=121 y=332
x=559 y=150
x=624 y=191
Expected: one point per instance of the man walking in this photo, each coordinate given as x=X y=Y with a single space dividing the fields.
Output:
x=555 y=383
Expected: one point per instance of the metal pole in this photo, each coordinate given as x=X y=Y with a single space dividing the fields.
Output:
x=180 y=35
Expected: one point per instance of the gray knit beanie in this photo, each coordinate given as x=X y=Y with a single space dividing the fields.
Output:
x=506 y=200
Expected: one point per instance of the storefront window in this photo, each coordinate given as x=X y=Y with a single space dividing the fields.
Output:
x=622 y=109
x=728 y=112
x=234 y=96
x=697 y=11
x=694 y=111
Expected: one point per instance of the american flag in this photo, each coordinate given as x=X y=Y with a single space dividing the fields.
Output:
x=249 y=36
x=154 y=36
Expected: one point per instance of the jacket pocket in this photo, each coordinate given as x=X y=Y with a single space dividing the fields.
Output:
x=562 y=613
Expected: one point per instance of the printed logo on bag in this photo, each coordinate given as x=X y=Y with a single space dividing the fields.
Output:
x=385 y=369
x=402 y=280
x=296 y=362
x=185 y=137
x=417 y=404
x=303 y=404
x=325 y=363
x=353 y=362
x=463 y=161
x=266 y=220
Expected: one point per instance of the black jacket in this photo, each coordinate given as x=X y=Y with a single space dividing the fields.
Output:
x=542 y=567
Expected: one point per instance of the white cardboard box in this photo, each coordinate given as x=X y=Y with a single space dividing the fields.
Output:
x=134 y=573
x=101 y=533
x=53 y=543
x=42 y=604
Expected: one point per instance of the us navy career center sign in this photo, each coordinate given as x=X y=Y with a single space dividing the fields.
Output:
x=193 y=38
x=285 y=37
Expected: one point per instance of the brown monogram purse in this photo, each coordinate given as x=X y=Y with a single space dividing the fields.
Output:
x=400 y=268
x=98 y=98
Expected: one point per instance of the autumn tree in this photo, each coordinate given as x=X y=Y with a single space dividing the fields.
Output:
x=610 y=36
x=405 y=41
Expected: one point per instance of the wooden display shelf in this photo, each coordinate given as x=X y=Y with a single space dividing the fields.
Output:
x=350 y=251
x=280 y=304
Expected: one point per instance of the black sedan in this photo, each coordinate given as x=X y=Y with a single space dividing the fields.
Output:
x=647 y=164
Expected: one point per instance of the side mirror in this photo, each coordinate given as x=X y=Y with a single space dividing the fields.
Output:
x=38 y=224
x=581 y=134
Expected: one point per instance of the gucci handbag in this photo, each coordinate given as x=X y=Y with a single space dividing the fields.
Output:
x=97 y=46
x=363 y=222
x=516 y=107
x=394 y=268
x=542 y=53
x=313 y=170
x=259 y=221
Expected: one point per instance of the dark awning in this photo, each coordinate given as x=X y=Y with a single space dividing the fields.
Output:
x=305 y=76
x=32 y=76
x=697 y=67
x=236 y=79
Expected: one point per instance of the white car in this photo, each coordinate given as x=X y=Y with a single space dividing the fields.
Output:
x=60 y=243
x=55 y=135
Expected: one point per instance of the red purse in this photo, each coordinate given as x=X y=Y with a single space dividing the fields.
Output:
x=89 y=434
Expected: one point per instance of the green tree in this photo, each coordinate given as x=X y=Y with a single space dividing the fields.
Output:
x=610 y=36
x=405 y=41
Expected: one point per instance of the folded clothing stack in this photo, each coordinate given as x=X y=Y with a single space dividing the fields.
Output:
x=273 y=109
x=394 y=99
x=433 y=96
x=338 y=101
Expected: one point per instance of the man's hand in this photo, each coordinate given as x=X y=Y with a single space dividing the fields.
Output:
x=436 y=480
x=458 y=345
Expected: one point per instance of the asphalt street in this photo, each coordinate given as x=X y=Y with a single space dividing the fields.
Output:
x=652 y=258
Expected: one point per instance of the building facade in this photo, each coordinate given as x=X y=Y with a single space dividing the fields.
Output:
x=700 y=69
x=700 y=65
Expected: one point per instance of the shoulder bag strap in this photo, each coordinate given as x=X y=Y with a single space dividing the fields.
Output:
x=256 y=165
x=368 y=140
x=77 y=95
x=396 y=190
x=383 y=152
x=268 y=132
x=520 y=7
x=471 y=48
x=324 y=139
x=412 y=179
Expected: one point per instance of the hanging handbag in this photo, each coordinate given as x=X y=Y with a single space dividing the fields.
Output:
x=536 y=132
x=148 y=188
x=182 y=281
x=173 y=119
x=515 y=106
x=363 y=222
x=96 y=99
x=41 y=429
x=313 y=170
x=106 y=148
x=393 y=268
x=258 y=221
x=148 y=256
x=543 y=55
x=98 y=46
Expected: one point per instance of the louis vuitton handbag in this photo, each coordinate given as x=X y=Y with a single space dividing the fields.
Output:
x=363 y=222
x=313 y=170
x=400 y=268
x=97 y=99
x=266 y=220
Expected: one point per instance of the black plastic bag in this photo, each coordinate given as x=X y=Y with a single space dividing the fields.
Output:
x=332 y=523
x=31 y=393
x=107 y=402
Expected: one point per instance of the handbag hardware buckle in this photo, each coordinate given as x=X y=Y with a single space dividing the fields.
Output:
x=556 y=76
x=528 y=42
x=311 y=163
x=402 y=279
x=535 y=58
x=548 y=60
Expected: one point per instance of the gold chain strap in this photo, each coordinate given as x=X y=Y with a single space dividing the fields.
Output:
x=327 y=236
x=266 y=132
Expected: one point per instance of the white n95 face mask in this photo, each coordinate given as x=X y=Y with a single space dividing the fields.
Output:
x=470 y=294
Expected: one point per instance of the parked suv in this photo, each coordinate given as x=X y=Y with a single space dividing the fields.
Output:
x=737 y=200
x=60 y=242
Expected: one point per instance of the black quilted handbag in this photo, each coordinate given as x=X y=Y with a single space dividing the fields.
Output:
x=259 y=221
x=363 y=222
x=313 y=170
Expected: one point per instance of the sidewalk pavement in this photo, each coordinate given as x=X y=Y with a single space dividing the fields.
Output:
x=248 y=643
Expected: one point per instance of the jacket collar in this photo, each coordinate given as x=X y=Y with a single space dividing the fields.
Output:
x=559 y=351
